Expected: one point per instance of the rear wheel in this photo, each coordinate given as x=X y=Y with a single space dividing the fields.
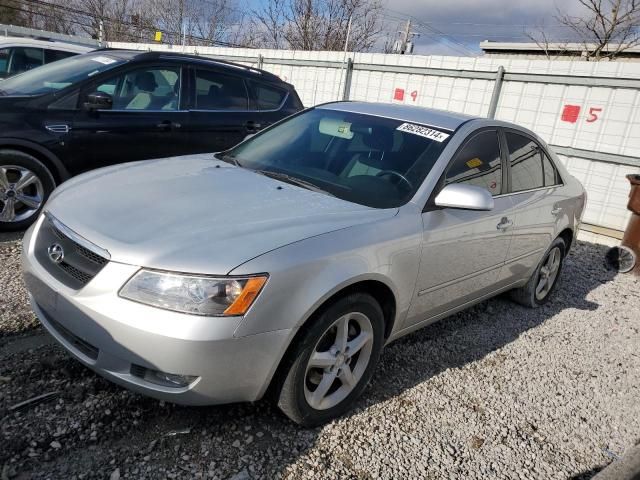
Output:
x=333 y=361
x=25 y=185
x=543 y=282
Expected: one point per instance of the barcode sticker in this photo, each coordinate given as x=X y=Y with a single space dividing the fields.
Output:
x=425 y=132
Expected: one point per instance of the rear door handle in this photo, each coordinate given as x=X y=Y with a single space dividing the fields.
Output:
x=504 y=224
x=167 y=125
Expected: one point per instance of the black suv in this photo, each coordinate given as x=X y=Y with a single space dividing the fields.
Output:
x=114 y=106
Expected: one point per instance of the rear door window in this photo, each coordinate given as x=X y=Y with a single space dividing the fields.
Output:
x=525 y=157
x=551 y=176
x=267 y=97
x=218 y=91
x=479 y=163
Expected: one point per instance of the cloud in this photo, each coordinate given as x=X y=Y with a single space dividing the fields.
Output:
x=468 y=22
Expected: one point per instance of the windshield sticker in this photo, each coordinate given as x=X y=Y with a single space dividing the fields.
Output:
x=474 y=163
x=336 y=128
x=104 y=60
x=425 y=132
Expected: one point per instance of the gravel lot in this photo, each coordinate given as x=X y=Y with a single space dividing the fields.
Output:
x=498 y=391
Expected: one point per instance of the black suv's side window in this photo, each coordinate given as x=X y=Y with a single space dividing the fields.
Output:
x=55 y=55
x=4 y=61
x=530 y=167
x=478 y=163
x=150 y=88
x=217 y=91
x=267 y=97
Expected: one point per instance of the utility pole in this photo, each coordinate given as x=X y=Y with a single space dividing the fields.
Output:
x=404 y=45
x=101 y=34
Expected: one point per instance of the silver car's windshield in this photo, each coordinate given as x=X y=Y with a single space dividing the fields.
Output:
x=58 y=75
x=374 y=161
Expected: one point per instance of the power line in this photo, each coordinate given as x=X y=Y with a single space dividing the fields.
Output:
x=110 y=20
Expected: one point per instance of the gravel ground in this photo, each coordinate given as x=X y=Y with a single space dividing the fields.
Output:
x=498 y=391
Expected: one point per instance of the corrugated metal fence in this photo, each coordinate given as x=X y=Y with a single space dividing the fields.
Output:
x=588 y=111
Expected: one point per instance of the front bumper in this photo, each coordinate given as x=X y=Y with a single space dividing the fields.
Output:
x=118 y=338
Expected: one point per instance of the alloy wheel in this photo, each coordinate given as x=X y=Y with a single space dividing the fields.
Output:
x=21 y=193
x=548 y=273
x=338 y=361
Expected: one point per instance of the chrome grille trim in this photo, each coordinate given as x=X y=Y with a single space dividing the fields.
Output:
x=81 y=241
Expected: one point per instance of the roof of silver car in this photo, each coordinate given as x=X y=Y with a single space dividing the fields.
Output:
x=427 y=116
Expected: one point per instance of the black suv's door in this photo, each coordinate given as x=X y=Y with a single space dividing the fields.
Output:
x=219 y=117
x=146 y=119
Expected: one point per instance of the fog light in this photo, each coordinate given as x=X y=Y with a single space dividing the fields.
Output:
x=164 y=379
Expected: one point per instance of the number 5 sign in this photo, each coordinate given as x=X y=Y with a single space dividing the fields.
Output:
x=593 y=114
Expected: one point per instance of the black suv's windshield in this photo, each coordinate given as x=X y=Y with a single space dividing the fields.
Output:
x=58 y=75
x=373 y=161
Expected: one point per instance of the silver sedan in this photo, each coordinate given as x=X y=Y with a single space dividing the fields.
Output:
x=289 y=261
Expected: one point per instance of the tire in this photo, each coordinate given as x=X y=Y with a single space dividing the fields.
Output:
x=299 y=380
x=38 y=185
x=530 y=295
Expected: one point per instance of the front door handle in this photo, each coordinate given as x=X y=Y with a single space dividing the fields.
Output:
x=252 y=126
x=167 y=125
x=556 y=211
x=504 y=224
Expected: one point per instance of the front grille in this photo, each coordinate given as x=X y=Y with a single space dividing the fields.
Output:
x=78 y=266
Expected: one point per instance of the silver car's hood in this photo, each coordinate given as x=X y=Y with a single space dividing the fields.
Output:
x=195 y=214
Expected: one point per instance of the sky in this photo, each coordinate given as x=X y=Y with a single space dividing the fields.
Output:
x=468 y=22
x=465 y=23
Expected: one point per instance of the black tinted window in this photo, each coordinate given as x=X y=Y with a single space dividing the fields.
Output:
x=551 y=176
x=217 y=91
x=144 y=89
x=525 y=156
x=4 y=61
x=55 y=55
x=23 y=59
x=267 y=97
x=478 y=163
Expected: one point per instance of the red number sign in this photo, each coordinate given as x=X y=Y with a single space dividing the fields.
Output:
x=414 y=95
x=399 y=94
x=593 y=114
x=570 y=113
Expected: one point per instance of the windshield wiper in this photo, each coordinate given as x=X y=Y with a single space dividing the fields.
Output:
x=294 y=181
x=231 y=159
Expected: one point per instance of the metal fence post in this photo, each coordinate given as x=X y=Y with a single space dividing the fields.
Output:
x=260 y=61
x=495 y=97
x=347 y=80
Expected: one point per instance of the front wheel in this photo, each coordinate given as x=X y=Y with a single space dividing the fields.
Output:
x=25 y=185
x=333 y=361
x=543 y=282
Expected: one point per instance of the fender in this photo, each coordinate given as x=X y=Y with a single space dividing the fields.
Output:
x=61 y=171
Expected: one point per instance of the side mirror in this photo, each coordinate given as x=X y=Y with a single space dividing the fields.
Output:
x=98 y=101
x=465 y=197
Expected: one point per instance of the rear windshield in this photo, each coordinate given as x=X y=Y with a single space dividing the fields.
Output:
x=374 y=161
x=58 y=75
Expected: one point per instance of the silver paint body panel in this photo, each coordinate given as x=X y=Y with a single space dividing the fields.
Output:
x=197 y=215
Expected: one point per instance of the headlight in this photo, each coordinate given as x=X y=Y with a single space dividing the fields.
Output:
x=198 y=295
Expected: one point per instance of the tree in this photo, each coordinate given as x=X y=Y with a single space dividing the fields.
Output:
x=607 y=29
x=319 y=24
x=11 y=14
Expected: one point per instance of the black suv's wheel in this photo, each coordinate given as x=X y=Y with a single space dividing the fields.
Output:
x=333 y=361
x=543 y=282
x=25 y=185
